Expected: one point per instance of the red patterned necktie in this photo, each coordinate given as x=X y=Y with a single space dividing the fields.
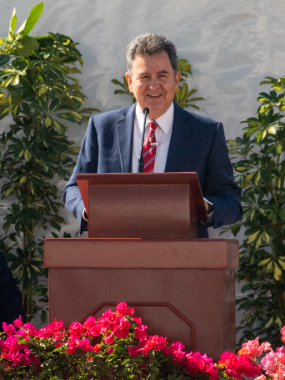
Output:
x=149 y=148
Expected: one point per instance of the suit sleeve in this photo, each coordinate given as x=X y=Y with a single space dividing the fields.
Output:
x=220 y=187
x=87 y=163
x=10 y=297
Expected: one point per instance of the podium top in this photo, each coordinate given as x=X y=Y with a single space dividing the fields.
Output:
x=187 y=178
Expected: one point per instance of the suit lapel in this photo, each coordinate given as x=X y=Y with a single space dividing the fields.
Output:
x=124 y=128
x=179 y=138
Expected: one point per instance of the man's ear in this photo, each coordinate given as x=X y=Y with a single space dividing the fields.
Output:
x=130 y=81
x=177 y=78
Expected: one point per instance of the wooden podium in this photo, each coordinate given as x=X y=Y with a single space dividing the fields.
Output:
x=142 y=249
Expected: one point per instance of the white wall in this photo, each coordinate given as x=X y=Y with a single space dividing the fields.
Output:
x=231 y=44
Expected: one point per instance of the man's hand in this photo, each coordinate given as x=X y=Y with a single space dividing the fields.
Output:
x=84 y=215
x=84 y=220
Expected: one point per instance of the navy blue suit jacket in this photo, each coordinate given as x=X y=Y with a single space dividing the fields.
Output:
x=197 y=145
x=10 y=297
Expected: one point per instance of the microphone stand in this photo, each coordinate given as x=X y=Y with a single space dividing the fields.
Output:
x=141 y=160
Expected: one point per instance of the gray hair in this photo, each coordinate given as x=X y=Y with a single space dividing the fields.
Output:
x=148 y=44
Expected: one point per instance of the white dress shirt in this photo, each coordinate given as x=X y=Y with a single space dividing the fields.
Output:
x=162 y=134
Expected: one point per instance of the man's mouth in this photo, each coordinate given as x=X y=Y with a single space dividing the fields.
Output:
x=154 y=96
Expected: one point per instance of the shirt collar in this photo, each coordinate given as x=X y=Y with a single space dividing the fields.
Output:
x=165 y=121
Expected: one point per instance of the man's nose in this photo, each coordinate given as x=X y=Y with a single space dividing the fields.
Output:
x=154 y=83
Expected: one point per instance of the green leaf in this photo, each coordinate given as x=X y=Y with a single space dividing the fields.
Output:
x=252 y=237
x=278 y=322
x=120 y=92
x=13 y=22
x=3 y=101
x=281 y=263
x=9 y=191
x=31 y=21
x=115 y=81
x=48 y=121
x=43 y=90
x=28 y=44
x=265 y=262
x=279 y=148
x=269 y=323
x=277 y=272
x=60 y=127
x=7 y=81
x=257 y=178
x=272 y=130
x=4 y=58
x=259 y=240
x=27 y=155
x=7 y=110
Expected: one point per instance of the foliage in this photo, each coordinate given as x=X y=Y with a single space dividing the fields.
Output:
x=117 y=346
x=183 y=95
x=38 y=90
x=260 y=170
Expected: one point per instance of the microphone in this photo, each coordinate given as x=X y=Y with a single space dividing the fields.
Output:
x=141 y=161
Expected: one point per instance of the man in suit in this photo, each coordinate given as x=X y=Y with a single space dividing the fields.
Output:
x=10 y=297
x=183 y=141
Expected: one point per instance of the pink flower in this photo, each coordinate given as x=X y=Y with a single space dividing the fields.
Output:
x=140 y=332
x=109 y=338
x=45 y=332
x=168 y=351
x=58 y=329
x=207 y=366
x=177 y=352
x=142 y=342
x=137 y=320
x=261 y=377
x=107 y=321
x=274 y=363
x=85 y=345
x=95 y=330
x=158 y=342
x=18 y=322
x=122 y=309
x=110 y=350
x=251 y=348
x=192 y=360
x=90 y=322
x=237 y=366
x=58 y=344
x=121 y=327
x=72 y=345
x=282 y=330
x=29 y=329
x=177 y=346
x=97 y=348
x=178 y=356
x=154 y=342
x=134 y=351
x=76 y=330
x=9 y=329
x=265 y=346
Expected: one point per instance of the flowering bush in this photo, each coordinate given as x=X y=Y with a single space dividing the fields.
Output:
x=117 y=346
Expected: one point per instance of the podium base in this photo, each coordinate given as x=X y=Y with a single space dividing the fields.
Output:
x=182 y=289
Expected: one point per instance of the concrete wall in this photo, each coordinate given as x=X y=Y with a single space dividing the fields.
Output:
x=231 y=45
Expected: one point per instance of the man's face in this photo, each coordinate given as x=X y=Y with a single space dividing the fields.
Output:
x=153 y=83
